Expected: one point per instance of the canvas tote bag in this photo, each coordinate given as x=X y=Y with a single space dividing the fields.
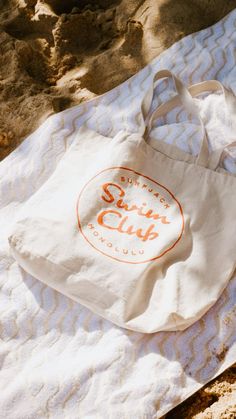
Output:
x=136 y=230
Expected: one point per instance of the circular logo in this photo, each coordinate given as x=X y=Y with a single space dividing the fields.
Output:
x=128 y=216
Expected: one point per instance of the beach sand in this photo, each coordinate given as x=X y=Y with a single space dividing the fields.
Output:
x=57 y=53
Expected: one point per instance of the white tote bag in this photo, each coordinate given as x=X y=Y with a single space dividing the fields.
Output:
x=138 y=231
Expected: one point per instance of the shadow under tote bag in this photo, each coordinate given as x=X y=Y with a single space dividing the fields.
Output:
x=134 y=229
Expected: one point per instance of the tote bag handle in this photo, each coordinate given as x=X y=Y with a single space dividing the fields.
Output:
x=218 y=155
x=185 y=97
x=186 y=100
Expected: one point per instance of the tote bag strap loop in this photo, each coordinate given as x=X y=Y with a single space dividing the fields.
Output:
x=194 y=90
x=185 y=98
x=217 y=156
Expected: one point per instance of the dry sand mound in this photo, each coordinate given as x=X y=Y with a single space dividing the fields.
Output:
x=57 y=53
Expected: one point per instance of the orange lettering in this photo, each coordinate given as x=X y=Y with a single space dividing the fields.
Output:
x=121 y=228
x=120 y=203
x=102 y=215
x=149 y=235
x=111 y=198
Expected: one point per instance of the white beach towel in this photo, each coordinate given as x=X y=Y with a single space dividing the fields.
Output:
x=58 y=359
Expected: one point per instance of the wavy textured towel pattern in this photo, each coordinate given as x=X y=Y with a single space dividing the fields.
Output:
x=57 y=359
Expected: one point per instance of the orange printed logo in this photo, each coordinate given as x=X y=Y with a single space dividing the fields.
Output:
x=128 y=216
